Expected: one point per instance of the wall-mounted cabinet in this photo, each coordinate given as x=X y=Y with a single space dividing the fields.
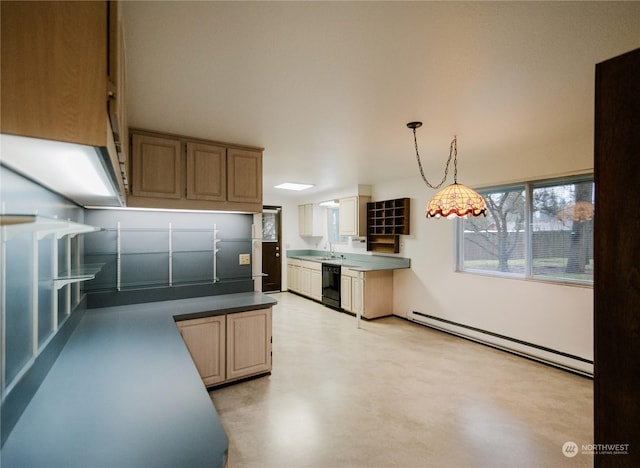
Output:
x=156 y=167
x=59 y=81
x=206 y=172
x=310 y=222
x=386 y=221
x=229 y=347
x=175 y=172
x=353 y=216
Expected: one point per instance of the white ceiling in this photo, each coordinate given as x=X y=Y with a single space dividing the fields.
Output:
x=327 y=87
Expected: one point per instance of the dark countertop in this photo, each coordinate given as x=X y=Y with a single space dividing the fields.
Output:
x=124 y=392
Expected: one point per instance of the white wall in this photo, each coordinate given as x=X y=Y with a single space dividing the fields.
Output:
x=555 y=316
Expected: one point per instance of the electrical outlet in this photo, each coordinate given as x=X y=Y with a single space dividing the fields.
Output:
x=245 y=259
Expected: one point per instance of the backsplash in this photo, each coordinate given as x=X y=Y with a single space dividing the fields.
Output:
x=150 y=255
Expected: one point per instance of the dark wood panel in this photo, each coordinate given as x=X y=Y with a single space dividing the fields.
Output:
x=616 y=259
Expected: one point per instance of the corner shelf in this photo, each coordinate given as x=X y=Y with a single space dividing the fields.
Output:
x=386 y=221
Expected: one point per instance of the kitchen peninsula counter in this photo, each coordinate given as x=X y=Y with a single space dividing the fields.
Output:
x=124 y=392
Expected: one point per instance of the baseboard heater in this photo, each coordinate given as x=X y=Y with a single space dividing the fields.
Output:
x=552 y=357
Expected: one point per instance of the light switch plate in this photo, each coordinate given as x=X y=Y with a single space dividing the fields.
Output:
x=245 y=259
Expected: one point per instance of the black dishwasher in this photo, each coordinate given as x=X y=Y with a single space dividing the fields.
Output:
x=331 y=285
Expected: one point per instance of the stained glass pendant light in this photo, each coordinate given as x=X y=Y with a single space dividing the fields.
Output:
x=455 y=199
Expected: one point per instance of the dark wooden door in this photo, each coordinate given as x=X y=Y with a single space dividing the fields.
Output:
x=617 y=261
x=271 y=248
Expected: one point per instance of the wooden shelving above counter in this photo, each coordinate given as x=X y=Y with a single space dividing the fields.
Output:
x=386 y=221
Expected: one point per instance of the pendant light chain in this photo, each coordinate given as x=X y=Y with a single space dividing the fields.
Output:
x=455 y=200
x=453 y=148
x=453 y=151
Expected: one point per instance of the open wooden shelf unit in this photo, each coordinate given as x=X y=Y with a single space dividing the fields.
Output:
x=386 y=221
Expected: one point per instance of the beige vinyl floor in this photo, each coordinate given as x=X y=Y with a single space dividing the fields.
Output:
x=398 y=394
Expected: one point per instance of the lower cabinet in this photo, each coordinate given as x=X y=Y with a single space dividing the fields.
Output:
x=372 y=295
x=305 y=278
x=205 y=340
x=229 y=347
x=248 y=343
x=316 y=284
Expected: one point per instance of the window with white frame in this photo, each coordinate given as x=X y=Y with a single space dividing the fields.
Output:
x=541 y=230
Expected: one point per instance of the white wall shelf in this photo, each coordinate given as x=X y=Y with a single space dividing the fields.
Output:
x=87 y=272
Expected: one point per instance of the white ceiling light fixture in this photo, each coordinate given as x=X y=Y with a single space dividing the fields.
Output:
x=455 y=200
x=72 y=170
x=330 y=204
x=293 y=186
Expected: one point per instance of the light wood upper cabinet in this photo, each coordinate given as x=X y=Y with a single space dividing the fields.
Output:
x=206 y=172
x=244 y=176
x=54 y=70
x=205 y=340
x=353 y=216
x=310 y=220
x=55 y=75
x=176 y=172
x=156 y=167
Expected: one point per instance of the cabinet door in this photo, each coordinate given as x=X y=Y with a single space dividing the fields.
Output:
x=305 y=281
x=348 y=215
x=206 y=344
x=156 y=167
x=292 y=278
x=376 y=293
x=309 y=219
x=357 y=296
x=206 y=172
x=248 y=343
x=54 y=71
x=353 y=216
x=316 y=284
x=244 y=176
x=302 y=220
x=345 y=293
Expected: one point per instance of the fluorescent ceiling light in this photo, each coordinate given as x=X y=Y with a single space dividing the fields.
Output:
x=74 y=171
x=330 y=203
x=293 y=186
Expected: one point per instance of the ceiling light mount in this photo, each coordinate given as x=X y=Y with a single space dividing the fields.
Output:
x=455 y=199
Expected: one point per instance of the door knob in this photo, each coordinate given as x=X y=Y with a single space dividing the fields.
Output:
x=277 y=254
